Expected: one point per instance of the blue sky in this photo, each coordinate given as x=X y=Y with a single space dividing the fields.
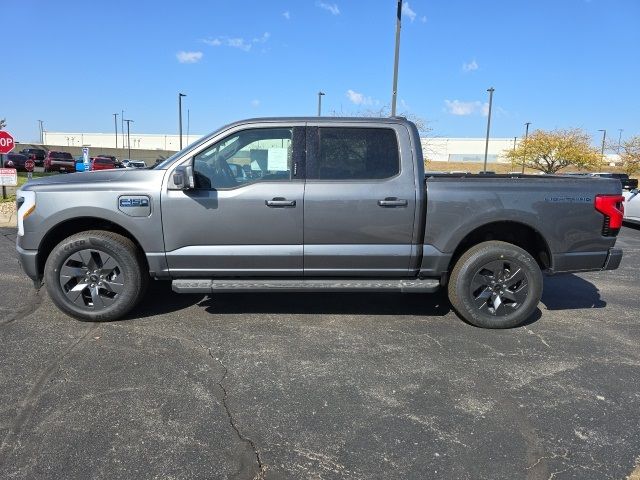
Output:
x=555 y=63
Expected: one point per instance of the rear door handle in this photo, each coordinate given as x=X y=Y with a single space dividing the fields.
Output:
x=393 y=202
x=280 y=202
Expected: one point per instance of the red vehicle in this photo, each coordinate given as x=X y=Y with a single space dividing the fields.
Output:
x=59 y=161
x=102 y=163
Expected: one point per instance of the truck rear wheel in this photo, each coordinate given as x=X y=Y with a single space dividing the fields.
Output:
x=495 y=285
x=95 y=275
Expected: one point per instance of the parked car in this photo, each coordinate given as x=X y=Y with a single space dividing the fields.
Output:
x=632 y=206
x=351 y=211
x=37 y=154
x=59 y=162
x=113 y=158
x=627 y=183
x=135 y=164
x=16 y=160
x=102 y=163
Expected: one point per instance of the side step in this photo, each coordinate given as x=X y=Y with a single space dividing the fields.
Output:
x=305 y=285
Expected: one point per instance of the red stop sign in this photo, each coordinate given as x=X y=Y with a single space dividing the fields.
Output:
x=29 y=165
x=6 y=142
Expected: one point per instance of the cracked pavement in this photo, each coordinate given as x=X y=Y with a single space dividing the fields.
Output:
x=322 y=386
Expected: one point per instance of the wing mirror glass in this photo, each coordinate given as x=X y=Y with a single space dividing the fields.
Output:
x=183 y=178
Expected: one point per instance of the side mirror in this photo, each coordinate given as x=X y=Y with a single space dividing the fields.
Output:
x=183 y=178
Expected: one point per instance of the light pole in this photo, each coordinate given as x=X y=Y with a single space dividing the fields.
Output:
x=129 y=137
x=180 y=95
x=619 y=140
x=526 y=137
x=41 y=129
x=486 y=145
x=188 y=116
x=115 y=124
x=515 y=139
x=604 y=137
x=320 y=95
x=396 y=59
x=122 y=127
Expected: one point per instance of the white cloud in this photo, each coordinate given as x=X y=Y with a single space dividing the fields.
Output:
x=255 y=103
x=330 y=7
x=485 y=109
x=237 y=42
x=408 y=12
x=189 y=57
x=457 y=107
x=423 y=19
x=286 y=15
x=265 y=36
x=358 y=98
x=471 y=66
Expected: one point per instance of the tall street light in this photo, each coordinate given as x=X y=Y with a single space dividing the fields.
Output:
x=41 y=129
x=122 y=126
x=115 y=124
x=396 y=59
x=180 y=95
x=129 y=137
x=526 y=137
x=320 y=95
x=604 y=137
x=619 y=140
x=486 y=145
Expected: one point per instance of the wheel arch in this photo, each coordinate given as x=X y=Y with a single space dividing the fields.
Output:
x=516 y=233
x=72 y=226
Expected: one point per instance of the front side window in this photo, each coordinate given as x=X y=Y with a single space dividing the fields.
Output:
x=261 y=154
x=357 y=154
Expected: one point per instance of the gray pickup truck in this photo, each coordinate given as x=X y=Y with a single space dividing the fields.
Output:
x=312 y=204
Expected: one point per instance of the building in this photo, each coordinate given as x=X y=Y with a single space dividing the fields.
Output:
x=459 y=150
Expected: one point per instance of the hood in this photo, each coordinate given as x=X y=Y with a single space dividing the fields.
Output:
x=96 y=180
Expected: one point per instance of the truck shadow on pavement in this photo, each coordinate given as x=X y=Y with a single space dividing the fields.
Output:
x=160 y=299
x=569 y=292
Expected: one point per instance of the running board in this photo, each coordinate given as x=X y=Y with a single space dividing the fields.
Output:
x=305 y=285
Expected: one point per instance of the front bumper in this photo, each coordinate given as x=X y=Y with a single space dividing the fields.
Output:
x=29 y=262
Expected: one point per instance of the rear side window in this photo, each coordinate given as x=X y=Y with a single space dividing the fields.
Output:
x=357 y=154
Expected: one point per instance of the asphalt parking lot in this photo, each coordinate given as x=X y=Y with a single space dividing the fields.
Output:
x=322 y=386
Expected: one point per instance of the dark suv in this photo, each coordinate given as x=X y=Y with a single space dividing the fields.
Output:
x=36 y=154
x=15 y=160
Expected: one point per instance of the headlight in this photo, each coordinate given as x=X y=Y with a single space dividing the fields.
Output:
x=26 y=204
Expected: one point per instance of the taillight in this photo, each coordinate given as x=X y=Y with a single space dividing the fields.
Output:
x=611 y=206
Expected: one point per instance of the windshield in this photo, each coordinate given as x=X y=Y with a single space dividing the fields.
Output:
x=165 y=163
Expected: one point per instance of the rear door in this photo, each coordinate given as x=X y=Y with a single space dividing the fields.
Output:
x=245 y=216
x=360 y=200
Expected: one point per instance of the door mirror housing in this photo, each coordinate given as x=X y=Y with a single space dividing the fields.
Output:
x=183 y=178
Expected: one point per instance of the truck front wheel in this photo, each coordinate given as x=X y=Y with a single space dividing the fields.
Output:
x=495 y=285
x=95 y=275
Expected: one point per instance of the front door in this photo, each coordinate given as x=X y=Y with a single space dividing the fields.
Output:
x=359 y=201
x=244 y=218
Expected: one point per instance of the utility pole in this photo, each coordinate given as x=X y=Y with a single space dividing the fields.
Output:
x=619 y=140
x=180 y=95
x=320 y=94
x=129 y=137
x=604 y=137
x=514 y=143
x=115 y=124
x=486 y=145
x=396 y=59
x=188 y=126
x=526 y=137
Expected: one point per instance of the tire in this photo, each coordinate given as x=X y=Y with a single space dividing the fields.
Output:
x=95 y=276
x=495 y=285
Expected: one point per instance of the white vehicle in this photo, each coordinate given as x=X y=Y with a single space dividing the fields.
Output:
x=632 y=206
x=135 y=164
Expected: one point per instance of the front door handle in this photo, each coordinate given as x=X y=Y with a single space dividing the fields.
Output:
x=393 y=202
x=280 y=202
